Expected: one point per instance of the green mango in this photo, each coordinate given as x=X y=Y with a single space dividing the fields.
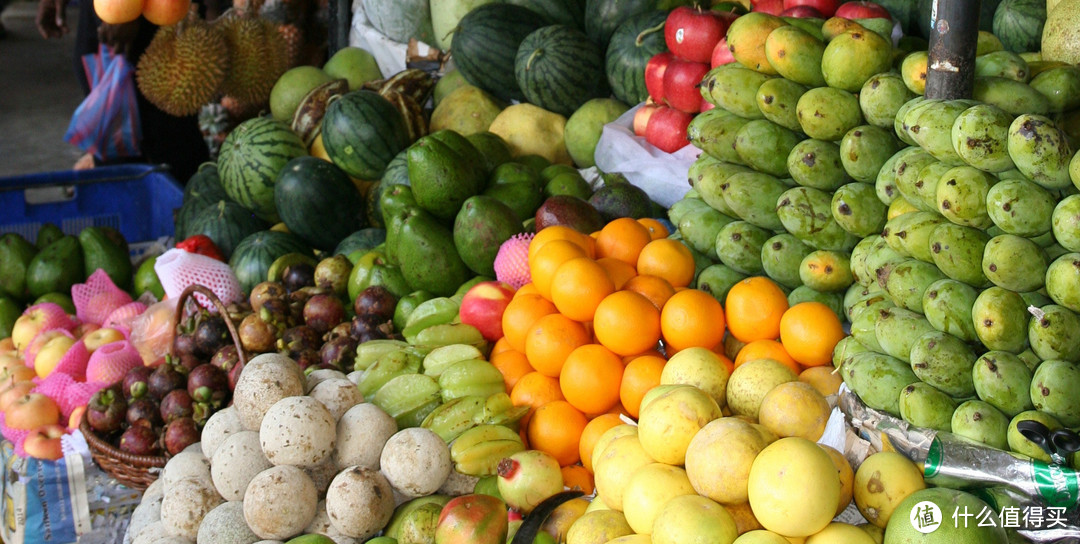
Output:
x=734 y=88
x=1020 y=444
x=922 y=405
x=1054 y=333
x=781 y=256
x=1000 y=317
x=15 y=256
x=1040 y=151
x=1054 y=388
x=826 y=271
x=796 y=54
x=1003 y=380
x=807 y=213
x=924 y=191
x=856 y=208
x=1061 y=87
x=980 y=421
x=858 y=298
x=809 y=24
x=752 y=197
x=879 y=257
x=709 y=179
x=846 y=350
x=47 y=234
x=805 y=293
x=817 y=164
x=1014 y=263
x=700 y=227
x=683 y=207
x=947 y=305
x=881 y=98
x=885 y=182
x=897 y=330
x=717 y=280
x=764 y=146
x=1015 y=97
x=859 y=254
x=1002 y=64
x=878 y=379
x=907 y=170
x=492 y=148
x=909 y=234
x=56 y=267
x=901 y=115
x=911 y=119
x=1020 y=207
x=933 y=128
x=907 y=281
x=428 y=257
x=1062 y=277
x=879 y=25
x=864 y=323
x=865 y=149
x=101 y=252
x=961 y=196
x=980 y=136
x=445 y=170
x=10 y=310
x=1065 y=222
x=827 y=114
x=777 y=99
x=853 y=57
x=480 y=228
x=738 y=245
x=714 y=132
x=958 y=252
x=945 y=362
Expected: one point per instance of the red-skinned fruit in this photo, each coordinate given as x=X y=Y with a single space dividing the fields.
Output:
x=827 y=8
x=862 y=10
x=667 y=129
x=681 y=84
x=654 y=75
x=691 y=33
x=472 y=519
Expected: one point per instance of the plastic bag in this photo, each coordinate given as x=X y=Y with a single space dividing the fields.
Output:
x=391 y=56
x=152 y=332
x=107 y=122
x=660 y=174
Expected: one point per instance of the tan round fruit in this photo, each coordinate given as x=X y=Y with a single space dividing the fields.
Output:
x=701 y=368
x=753 y=380
x=614 y=468
x=531 y=130
x=719 y=457
x=649 y=490
x=669 y=422
x=795 y=409
x=768 y=436
x=847 y=477
x=793 y=487
x=631 y=539
x=823 y=378
x=608 y=437
x=760 y=536
x=884 y=480
x=693 y=519
x=840 y=533
x=598 y=527
x=744 y=517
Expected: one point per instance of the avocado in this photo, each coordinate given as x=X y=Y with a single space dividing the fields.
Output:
x=101 y=249
x=481 y=227
x=491 y=147
x=570 y=183
x=56 y=267
x=445 y=169
x=536 y=162
x=615 y=200
x=9 y=312
x=570 y=211
x=15 y=256
x=518 y=186
x=47 y=234
x=428 y=258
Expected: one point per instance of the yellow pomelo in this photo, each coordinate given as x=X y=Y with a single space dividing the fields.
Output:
x=563 y=517
x=649 y=490
x=656 y=392
x=753 y=380
x=847 y=478
x=823 y=378
x=884 y=480
x=598 y=527
x=795 y=409
x=669 y=422
x=693 y=519
x=877 y=534
x=467 y=110
x=532 y=130
x=607 y=438
x=793 y=487
x=623 y=457
x=719 y=458
x=701 y=368
x=760 y=536
x=631 y=539
x=840 y=533
x=596 y=504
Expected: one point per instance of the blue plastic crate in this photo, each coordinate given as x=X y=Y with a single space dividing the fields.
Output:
x=136 y=199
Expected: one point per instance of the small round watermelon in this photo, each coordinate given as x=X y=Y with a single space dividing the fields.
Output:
x=251 y=157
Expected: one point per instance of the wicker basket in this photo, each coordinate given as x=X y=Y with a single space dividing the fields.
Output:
x=139 y=471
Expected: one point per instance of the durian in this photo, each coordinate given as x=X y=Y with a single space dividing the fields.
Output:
x=258 y=55
x=183 y=67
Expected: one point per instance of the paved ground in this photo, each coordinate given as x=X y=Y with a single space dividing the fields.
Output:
x=38 y=94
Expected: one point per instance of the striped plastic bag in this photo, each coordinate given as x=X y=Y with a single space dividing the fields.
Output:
x=107 y=122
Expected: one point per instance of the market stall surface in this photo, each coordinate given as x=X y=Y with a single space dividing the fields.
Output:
x=38 y=93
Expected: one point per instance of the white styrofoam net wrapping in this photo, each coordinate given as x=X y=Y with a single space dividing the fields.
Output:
x=177 y=269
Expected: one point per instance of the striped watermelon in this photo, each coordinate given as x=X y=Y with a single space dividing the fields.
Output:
x=602 y=17
x=397 y=172
x=559 y=69
x=557 y=12
x=252 y=257
x=251 y=157
x=485 y=45
x=362 y=132
x=226 y=223
x=1019 y=24
x=632 y=45
x=205 y=183
x=318 y=202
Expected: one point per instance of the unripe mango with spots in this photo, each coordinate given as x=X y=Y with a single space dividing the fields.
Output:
x=746 y=39
x=933 y=129
x=980 y=421
x=1054 y=388
x=878 y=379
x=958 y=252
x=826 y=113
x=882 y=97
x=764 y=146
x=1040 y=151
x=1000 y=317
x=980 y=136
x=796 y=55
x=826 y=271
x=1054 y=333
x=853 y=57
x=865 y=149
x=739 y=243
x=1015 y=97
x=1014 y=263
x=961 y=196
x=856 y=208
x=781 y=257
x=752 y=196
x=1020 y=207
x=913 y=71
x=777 y=99
x=817 y=164
x=945 y=362
x=714 y=132
x=906 y=282
x=947 y=306
x=807 y=213
x=1062 y=277
x=924 y=406
x=734 y=88
x=909 y=234
x=897 y=329
x=907 y=169
x=1002 y=64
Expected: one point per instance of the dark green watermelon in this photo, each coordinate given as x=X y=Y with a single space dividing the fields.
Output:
x=362 y=132
x=205 y=183
x=557 y=12
x=559 y=69
x=254 y=254
x=603 y=17
x=226 y=223
x=363 y=239
x=397 y=172
x=632 y=45
x=318 y=202
x=251 y=157
x=1019 y=24
x=486 y=44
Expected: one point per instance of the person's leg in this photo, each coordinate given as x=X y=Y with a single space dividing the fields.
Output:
x=86 y=40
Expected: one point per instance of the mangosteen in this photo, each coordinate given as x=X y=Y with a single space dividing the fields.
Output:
x=135 y=384
x=210 y=384
x=164 y=379
x=180 y=434
x=298 y=339
x=105 y=411
x=376 y=300
x=211 y=334
x=175 y=405
x=333 y=273
x=264 y=291
x=278 y=313
x=144 y=409
x=342 y=329
x=186 y=351
x=237 y=311
x=308 y=358
x=296 y=276
x=340 y=352
x=234 y=375
x=323 y=312
x=256 y=335
x=140 y=440
x=225 y=357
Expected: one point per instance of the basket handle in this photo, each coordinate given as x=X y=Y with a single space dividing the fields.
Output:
x=222 y=310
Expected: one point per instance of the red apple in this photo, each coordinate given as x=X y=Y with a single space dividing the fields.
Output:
x=825 y=7
x=682 y=80
x=44 y=442
x=691 y=33
x=721 y=54
x=862 y=10
x=641 y=118
x=483 y=305
x=31 y=411
x=802 y=12
x=654 y=75
x=772 y=7
x=14 y=391
x=76 y=417
x=706 y=106
x=667 y=129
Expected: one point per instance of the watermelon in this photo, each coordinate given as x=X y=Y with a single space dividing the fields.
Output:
x=1019 y=24
x=205 y=183
x=226 y=223
x=559 y=69
x=318 y=202
x=362 y=132
x=400 y=20
x=397 y=172
x=557 y=12
x=486 y=44
x=603 y=17
x=631 y=47
x=251 y=157
x=252 y=257
x=363 y=239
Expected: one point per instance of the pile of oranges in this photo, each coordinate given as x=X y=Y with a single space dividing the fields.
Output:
x=582 y=341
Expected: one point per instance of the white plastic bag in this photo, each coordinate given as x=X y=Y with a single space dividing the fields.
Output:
x=390 y=55
x=662 y=175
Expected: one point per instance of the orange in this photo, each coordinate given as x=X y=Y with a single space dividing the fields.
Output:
x=753 y=308
x=692 y=318
x=653 y=352
x=578 y=287
x=622 y=239
x=657 y=230
x=639 y=376
x=669 y=259
x=809 y=332
x=548 y=259
x=654 y=288
x=527 y=289
x=590 y=378
x=513 y=365
x=627 y=323
x=766 y=349
x=560 y=232
x=592 y=433
x=619 y=271
x=550 y=340
x=500 y=346
x=577 y=477
x=520 y=315
x=535 y=390
x=556 y=428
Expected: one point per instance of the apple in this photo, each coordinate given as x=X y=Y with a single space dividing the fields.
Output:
x=641 y=118
x=75 y=419
x=772 y=7
x=10 y=359
x=31 y=411
x=826 y=8
x=14 y=391
x=654 y=75
x=35 y=319
x=667 y=129
x=682 y=80
x=483 y=305
x=862 y=10
x=7 y=345
x=44 y=442
x=14 y=374
x=39 y=341
x=802 y=12
x=721 y=54
x=100 y=337
x=84 y=329
x=50 y=354
x=691 y=33
x=706 y=106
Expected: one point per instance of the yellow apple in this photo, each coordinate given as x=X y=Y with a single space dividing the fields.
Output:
x=50 y=354
x=44 y=442
x=105 y=335
x=34 y=320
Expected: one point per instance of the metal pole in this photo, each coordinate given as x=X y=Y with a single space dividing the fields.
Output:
x=953 y=39
x=340 y=22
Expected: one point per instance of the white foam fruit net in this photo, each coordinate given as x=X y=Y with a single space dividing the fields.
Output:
x=178 y=269
x=97 y=298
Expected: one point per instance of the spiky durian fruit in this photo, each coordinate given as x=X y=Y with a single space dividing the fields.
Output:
x=183 y=67
x=258 y=55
